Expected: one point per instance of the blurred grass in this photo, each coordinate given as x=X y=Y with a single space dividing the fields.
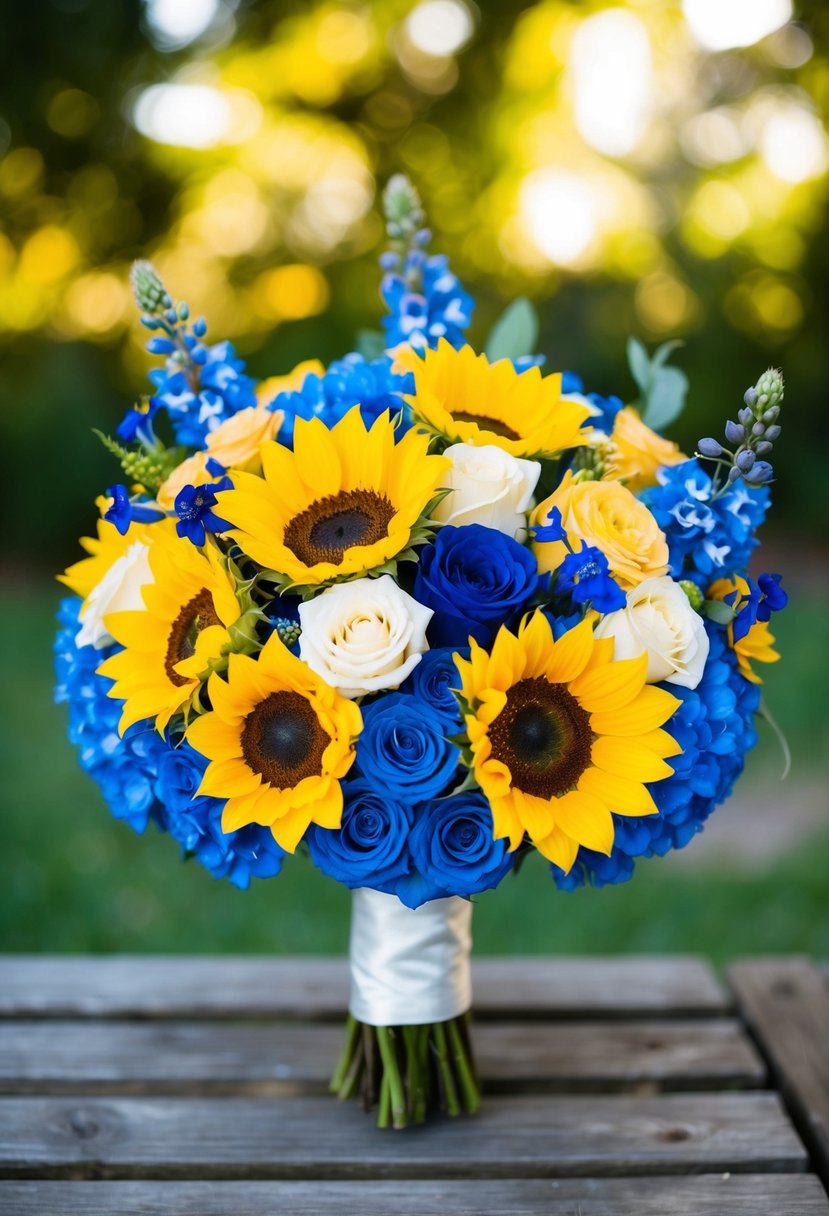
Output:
x=73 y=879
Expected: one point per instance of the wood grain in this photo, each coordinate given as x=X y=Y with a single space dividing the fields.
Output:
x=95 y=1056
x=314 y=1138
x=709 y=1195
x=785 y=1001
x=316 y=988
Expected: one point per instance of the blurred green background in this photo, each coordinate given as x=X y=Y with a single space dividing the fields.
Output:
x=634 y=167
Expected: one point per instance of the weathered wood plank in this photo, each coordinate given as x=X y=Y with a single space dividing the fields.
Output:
x=311 y=1138
x=215 y=987
x=785 y=1001
x=708 y=1195
x=221 y=1057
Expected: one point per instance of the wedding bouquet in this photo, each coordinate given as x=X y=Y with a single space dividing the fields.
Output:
x=418 y=613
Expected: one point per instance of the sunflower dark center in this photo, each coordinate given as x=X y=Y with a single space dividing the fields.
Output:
x=196 y=615
x=325 y=530
x=486 y=424
x=283 y=741
x=543 y=736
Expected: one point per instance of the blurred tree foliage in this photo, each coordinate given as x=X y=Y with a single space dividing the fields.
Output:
x=245 y=161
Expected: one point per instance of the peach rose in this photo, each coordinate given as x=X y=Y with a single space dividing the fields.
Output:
x=605 y=514
x=635 y=452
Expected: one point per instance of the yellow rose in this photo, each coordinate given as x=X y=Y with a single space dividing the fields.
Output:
x=236 y=442
x=191 y=472
x=292 y=382
x=607 y=515
x=636 y=452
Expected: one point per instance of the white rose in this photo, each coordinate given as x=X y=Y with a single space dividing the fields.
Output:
x=659 y=620
x=487 y=486
x=118 y=591
x=364 y=635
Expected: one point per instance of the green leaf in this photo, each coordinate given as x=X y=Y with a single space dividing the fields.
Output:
x=663 y=353
x=666 y=400
x=514 y=333
x=640 y=365
x=371 y=343
x=718 y=612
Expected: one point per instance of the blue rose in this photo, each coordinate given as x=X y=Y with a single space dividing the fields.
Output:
x=403 y=751
x=369 y=849
x=453 y=850
x=475 y=579
x=433 y=680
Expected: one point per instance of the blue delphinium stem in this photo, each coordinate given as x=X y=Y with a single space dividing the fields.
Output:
x=752 y=437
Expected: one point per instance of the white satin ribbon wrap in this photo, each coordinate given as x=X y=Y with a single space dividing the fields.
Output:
x=409 y=968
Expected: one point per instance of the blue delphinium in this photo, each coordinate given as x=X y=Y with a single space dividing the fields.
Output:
x=714 y=725
x=194 y=508
x=199 y=397
x=708 y=535
x=585 y=576
x=124 y=511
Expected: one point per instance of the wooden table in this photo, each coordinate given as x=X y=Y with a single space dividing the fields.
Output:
x=613 y=1086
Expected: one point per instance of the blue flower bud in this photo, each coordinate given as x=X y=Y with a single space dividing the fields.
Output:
x=734 y=432
x=762 y=448
x=744 y=460
x=771 y=414
x=160 y=346
x=746 y=415
x=750 y=397
x=734 y=474
x=760 y=473
x=200 y=327
x=183 y=312
x=171 y=317
x=710 y=448
x=389 y=260
x=758 y=429
x=773 y=432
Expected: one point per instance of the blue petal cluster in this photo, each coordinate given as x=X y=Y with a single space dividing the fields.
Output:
x=714 y=725
x=403 y=750
x=475 y=579
x=425 y=299
x=350 y=381
x=708 y=537
x=433 y=680
x=201 y=396
x=144 y=777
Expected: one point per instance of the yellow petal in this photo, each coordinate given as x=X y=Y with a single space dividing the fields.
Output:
x=558 y=848
x=585 y=818
x=629 y=758
x=571 y=654
x=620 y=795
x=649 y=709
x=611 y=686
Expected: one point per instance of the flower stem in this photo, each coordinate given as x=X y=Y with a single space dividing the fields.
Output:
x=391 y=1075
x=352 y=1033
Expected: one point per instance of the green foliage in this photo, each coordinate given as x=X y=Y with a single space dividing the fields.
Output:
x=515 y=333
x=663 y=389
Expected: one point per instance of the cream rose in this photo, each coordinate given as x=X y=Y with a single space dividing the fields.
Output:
x=364 y=635
x=607 y=515
x=659 y=620
x=118 y=591
x=235 y=443
x=487 y=486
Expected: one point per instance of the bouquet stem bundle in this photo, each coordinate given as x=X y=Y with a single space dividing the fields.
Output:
x=407 y=1072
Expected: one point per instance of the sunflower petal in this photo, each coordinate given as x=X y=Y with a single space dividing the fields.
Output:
x=629 y=758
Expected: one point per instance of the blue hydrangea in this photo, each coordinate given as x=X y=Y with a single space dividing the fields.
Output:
x=144 y=777
x=347 y=382
x=707 y=538
x=714 y=725
x=437 y=307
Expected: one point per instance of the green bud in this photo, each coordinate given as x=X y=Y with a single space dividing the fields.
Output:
x=695 y=596
x=401 y=206
x=769 y=389
x=151 y=295
x=288 y=632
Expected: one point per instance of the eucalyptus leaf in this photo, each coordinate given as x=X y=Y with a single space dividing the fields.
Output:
x=514 y=333
x=666 y=400
x=663 y=353
x=640 y=365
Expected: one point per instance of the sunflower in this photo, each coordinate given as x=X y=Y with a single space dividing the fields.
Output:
x=562 y=735
x=466 y=399
x=170 y=646
x=279 y=740
x=755 y=646
x=343 y=502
